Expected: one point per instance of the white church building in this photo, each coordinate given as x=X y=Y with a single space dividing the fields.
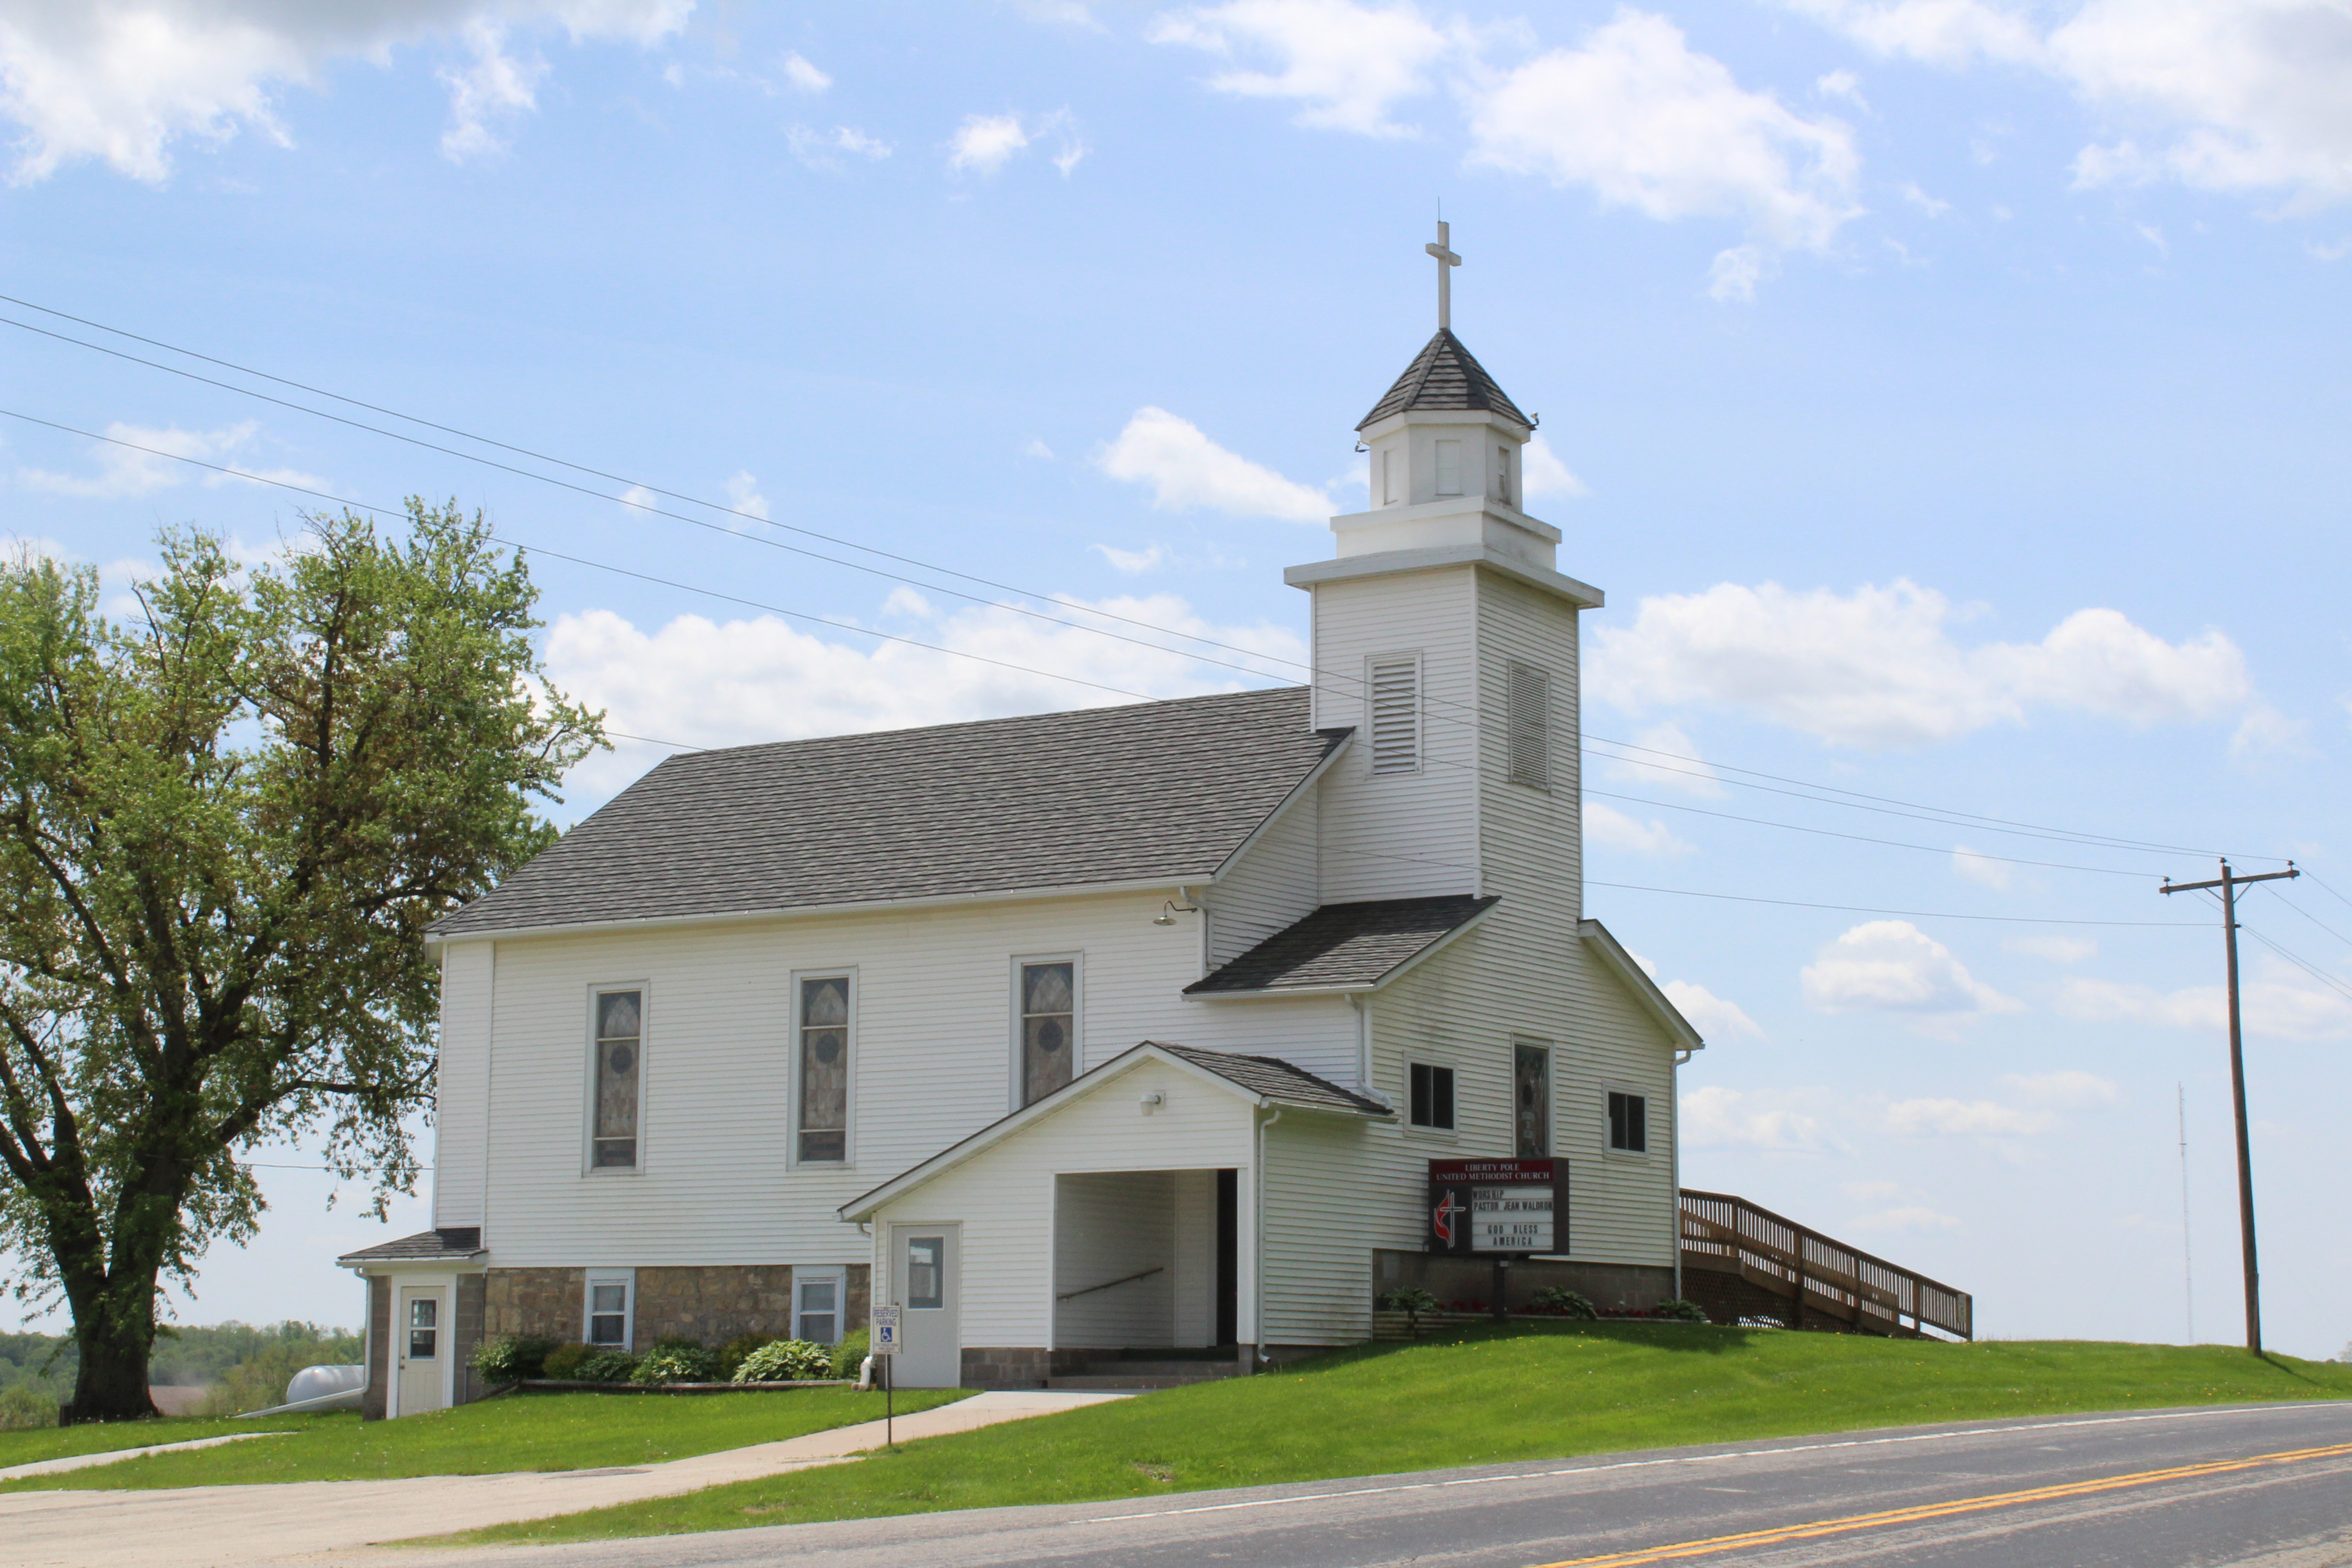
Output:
x=1129 y=1029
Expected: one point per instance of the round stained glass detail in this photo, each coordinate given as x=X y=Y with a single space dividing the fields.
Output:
x=827 y=1048
x=620 y=1059
x=1050 y=1035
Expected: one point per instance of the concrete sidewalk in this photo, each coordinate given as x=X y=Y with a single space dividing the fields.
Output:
x=223 y=1527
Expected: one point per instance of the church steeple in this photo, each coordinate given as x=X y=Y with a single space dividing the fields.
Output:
x=1444 y=376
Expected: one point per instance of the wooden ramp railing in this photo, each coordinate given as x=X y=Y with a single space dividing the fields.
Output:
x=1809 y=1274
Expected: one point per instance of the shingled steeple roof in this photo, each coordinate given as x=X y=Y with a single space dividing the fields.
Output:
x=1444 y=376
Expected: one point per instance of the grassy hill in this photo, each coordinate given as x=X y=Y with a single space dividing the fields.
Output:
x=1483 y=1396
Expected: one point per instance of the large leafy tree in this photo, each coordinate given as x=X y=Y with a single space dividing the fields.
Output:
x=225 y=824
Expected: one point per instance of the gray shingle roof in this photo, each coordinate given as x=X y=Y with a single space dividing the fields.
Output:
x=1444 y=376
x=1277 y=1079
x=1140 y=793
x=1344 y=945
x=450 y=1241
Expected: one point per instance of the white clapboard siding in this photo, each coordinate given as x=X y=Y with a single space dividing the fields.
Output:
x=1004 y=1197
x=1399 y=835
x=461 y=1087
x=1110 y=1226
x=1275 y=884
x=933 y=1062
x=1318 y=1256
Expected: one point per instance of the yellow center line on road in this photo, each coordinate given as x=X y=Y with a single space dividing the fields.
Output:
x=1942 y=1510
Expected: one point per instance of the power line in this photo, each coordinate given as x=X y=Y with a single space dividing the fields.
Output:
x=2325 y=888
x=1950 y=816
x=1857 y=837
x=2315 y=920
x=599 y=565
x=2304 y=965
x=1915 y=914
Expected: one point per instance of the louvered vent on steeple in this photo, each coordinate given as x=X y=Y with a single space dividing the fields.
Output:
x=1395 y=703
x=1527 y=738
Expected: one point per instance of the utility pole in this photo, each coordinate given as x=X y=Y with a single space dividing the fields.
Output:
x=2228 y=881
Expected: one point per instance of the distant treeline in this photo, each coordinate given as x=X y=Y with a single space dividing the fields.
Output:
x=186 y=1357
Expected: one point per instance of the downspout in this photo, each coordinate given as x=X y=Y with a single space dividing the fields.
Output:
x=1257 y=1226
x=1681 y=1058
x=1363 y=1005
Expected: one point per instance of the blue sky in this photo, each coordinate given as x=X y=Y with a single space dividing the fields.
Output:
x=1949 y=396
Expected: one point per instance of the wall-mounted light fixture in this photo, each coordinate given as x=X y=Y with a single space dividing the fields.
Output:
x=1170 y=910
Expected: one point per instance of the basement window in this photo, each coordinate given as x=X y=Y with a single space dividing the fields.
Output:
x=1433 y=1095
x=1629 y=1122
x=607 y=1307
x=817 y=1301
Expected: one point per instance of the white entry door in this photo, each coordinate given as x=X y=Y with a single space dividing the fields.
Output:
x=925 y=1269
x=421 y=1339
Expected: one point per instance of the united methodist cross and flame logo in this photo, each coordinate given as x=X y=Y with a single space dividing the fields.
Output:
x=1441 y=1218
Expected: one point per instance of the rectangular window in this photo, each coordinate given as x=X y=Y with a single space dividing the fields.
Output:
x=926 y=1272
x=620 y=1068
x=1433 y=1095
x=424 y=1328
x=824 y=1070
x=1049 y=1035
x=817 y=1303
x=1503 y=475
x=1449 y=468
x=1527 y=726
x=607 y=1307
x=1531 y=1083
x=1392 y=474
x=1394 y=698
x=1629 y=1122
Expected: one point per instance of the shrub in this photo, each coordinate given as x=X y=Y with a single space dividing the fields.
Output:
x=606 y=1365
x=731 y=1355
x=562 y=1363
x=851 y=1352
x=785 y=1361
x=1412 y=1302
x=675 y=1360
x=1677 y=1309
x=510 y=1358
x=1562 y=1302
x=27 y=1405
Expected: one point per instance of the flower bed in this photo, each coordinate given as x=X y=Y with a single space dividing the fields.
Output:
x=573 y=1385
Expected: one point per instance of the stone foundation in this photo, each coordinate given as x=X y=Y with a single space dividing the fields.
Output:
x=465 y=1336
x=1017 y=1366
x=714 y=1304
x=1611 y=1287
x=548 y=1302
x=377 y=1399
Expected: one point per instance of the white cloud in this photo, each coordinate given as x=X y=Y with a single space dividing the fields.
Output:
x=1732 y=276
x=1349 y=64
x=904 y=600
x=708 y=683
x=638 y=496
x=1035 y=447
x=1186 y=470
x=1841 y=84
x=121 y=82
x=1647 y=123
x=822 y=149
x=2238 y=95
x=1542 y=473
x=1604 y=824
x=2265 y=731
x=743 y=495
x=124 y=473
x=1715 y=1017
x=2056 y=949
x=495 y=87
x=1718 y=1118
x=1981 y=869
x=1966 y=1118
x=1894 y=966
x=1923 y=201
x=985 y=143
x=1879 y=668
x=803 y=77
x=1133 y=562
x=2280 y=1002
x=2067 y=1088
x=1667 y=759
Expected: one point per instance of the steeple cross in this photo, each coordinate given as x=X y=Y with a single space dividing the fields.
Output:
x=1446 y=262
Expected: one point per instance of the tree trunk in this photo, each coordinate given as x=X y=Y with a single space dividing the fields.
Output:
x=115 y=1328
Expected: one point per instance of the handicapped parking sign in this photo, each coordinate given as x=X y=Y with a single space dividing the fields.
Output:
x=886 y=1331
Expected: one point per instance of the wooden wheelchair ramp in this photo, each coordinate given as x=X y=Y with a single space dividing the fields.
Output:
x=1746 y=1264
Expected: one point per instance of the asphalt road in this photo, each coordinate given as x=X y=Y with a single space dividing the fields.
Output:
x=2259 y=1486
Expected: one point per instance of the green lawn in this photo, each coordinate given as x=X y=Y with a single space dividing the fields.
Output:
x=528 y=1432
x=1477 y=1397
x=61 y=1442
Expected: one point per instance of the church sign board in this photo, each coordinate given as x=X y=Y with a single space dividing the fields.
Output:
x=1508 y=1208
